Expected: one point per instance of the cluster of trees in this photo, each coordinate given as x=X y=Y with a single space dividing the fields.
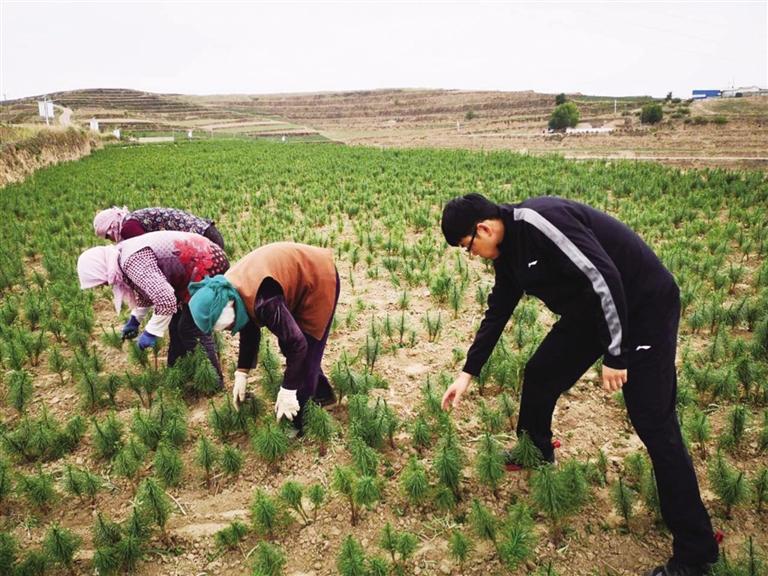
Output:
x=565 y=115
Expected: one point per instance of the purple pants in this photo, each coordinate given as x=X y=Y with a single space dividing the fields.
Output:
x=315 y=384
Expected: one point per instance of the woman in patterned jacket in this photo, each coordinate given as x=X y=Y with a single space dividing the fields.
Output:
x=117 y=224
x=155 y=269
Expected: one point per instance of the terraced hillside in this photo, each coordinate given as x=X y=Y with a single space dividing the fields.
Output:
x=145 y=113
x=729 y=133
x=691 y=132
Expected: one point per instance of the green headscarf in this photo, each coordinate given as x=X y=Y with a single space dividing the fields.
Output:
x=209 y=297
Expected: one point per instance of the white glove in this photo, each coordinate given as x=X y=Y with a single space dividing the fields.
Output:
x=286 y=404
x=238 y=390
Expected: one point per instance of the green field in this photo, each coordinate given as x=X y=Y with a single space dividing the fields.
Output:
x=78 y=403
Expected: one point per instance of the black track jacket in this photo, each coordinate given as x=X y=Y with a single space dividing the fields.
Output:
x=578 y=261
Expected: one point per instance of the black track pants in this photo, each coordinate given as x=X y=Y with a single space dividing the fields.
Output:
x=571 y=347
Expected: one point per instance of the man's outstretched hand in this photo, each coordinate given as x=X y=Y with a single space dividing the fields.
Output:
x=613 y=379
x=452 y=396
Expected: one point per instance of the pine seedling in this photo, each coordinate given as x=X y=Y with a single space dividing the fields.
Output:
x=388 y=540
x=623 y=500
x=207 y=457
x=20 y=390
x=271 y=444
x=489 y=463
x=729 y=484
x=414 y=482
x=205 y=379
x=574 y=478
x=316 y=495
x=443 y=498
x=635 y=466
x=266 y=515
x=459 y=547
x=223 y=418
x=516 y=543
x=229 y=538
x=526 y=453
x=547 y=570
x=762 y=442
x=738 y=418
x=508 y=409
x=6 y=482
x=371 y=351
x=378 y=566
x=344 y=481
x=105 y=532
x=698 y=431
x=434 y=325
x=421 y=435
x=550 y=495
x=8 y=553
x=168 y=464
x=137 y=525
x=37 y=489
x=106 y=560
x=365 y=458
x=367 y=491
x=269 y=560
x=112 y=338
x=754 y=563
x=351 y=558
x=57 y=363
x=273 y=377
x=291 y=493
x=153 y=502
x=759 y=486
x=112 y=384
x=35 y=563
x=128 y=461
x=483 y=522
x=60 y=544
x=81 y=482
x=602 y=466
x=390 y=423
x=448 y=463
x=493 y=420
x=650 y=494
x=319 y=426
x=107 y=436
x=232 y=459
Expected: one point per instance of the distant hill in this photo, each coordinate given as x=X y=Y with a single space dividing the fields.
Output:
x=720 y=132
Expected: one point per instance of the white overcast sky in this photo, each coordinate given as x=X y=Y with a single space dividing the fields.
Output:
x=608 y=48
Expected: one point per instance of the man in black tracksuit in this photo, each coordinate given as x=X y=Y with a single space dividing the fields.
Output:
x=615 y=299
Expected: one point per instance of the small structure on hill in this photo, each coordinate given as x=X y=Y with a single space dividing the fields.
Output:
x=701 y=94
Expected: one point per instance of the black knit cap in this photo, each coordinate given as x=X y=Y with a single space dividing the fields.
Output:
x=461 y=215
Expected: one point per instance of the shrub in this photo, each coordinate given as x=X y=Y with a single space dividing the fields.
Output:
x=560 y=99
x=651 y=113
x=564 y=116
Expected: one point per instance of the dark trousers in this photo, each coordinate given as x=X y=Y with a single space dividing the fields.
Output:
x=213 y=234
x=315 y=383
x=571 y=347
x=184 y=336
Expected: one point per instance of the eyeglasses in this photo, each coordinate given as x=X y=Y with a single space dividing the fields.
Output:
x=471 y=241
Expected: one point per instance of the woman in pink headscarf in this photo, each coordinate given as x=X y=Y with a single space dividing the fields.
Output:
x=154 y=270
x=117 y=224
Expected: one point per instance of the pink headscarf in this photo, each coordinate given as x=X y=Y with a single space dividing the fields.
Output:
x=101 y=265
x=107 y=223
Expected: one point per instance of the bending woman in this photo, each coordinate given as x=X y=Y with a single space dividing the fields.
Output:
x=290 y=288
x=118 y=224
x=155 y=270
